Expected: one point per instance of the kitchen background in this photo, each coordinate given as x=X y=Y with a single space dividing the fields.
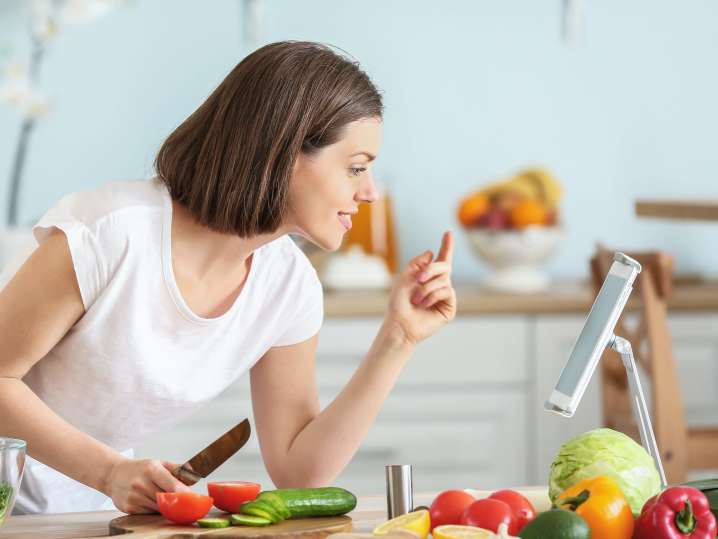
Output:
x=474 y=91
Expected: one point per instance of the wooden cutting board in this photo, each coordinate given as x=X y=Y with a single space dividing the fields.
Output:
x=157 y=527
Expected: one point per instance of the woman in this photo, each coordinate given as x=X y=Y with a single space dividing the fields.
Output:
x=145 y=299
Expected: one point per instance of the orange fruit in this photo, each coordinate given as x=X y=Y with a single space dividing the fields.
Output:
x=528 y=212
x=472 y=208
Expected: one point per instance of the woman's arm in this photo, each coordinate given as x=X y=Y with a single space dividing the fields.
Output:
x=37 y=308
x=303 y=447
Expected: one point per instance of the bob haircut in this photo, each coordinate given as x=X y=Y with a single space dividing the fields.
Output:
x=229 y=163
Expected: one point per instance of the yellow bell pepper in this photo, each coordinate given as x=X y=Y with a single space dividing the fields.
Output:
x=602 y=505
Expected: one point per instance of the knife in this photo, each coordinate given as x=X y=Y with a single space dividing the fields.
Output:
x=212 y=456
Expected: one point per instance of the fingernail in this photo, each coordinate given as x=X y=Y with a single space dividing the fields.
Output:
x=422 y=276
x=416 y=298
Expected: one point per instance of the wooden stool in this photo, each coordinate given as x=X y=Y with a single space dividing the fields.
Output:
x=682 y=448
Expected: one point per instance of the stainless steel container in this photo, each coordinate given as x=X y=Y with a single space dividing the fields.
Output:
x=399 y=490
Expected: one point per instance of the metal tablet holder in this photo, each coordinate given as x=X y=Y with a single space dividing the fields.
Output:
x=643 y=419
x=638 y=401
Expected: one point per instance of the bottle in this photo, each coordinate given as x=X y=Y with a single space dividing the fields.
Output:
x=373 y=230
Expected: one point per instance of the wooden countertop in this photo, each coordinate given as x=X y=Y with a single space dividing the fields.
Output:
x=564 y=297
x=370 y=511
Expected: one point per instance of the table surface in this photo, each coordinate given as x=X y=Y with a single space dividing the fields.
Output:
x=370 y=511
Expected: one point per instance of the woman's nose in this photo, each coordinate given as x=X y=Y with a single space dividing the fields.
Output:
x=367 y=190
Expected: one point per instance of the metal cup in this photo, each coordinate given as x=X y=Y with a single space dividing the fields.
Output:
x=399 y=490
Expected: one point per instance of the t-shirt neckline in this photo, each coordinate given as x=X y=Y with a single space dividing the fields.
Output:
x=169 y=275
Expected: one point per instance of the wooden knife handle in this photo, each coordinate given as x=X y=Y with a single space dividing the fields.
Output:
x=186 y=475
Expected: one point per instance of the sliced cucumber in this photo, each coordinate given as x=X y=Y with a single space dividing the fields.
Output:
x=213 y=523
x=276 y=502
x=249 y=520
x=260 y=509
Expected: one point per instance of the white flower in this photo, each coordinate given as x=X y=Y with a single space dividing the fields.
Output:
x=17 y=91
x=81 y=11
x=43 y=22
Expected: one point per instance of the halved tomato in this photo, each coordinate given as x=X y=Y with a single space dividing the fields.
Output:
x=229 y=495
x=183 y=507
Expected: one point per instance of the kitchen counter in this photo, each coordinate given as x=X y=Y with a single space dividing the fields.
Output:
x=564 y=297
x=370 y=511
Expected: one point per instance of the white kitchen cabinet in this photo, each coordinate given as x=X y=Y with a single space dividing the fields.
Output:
x=468 y=408
x=458 y=413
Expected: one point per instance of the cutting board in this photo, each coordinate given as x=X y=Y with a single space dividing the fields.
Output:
x=157 y=527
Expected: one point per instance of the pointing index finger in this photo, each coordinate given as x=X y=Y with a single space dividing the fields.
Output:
x=446 y=253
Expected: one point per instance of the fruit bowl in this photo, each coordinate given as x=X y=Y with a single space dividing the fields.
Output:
x=516 y=256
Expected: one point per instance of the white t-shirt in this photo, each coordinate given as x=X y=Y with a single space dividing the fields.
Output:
x=139 y=360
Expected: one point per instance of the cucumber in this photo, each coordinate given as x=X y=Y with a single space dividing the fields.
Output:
x=248 y=520
x=276 y=502
x=260 y=509
x=213 y=523
x=316 y=502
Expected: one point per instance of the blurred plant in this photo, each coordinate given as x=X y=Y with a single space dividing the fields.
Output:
x=18 y=86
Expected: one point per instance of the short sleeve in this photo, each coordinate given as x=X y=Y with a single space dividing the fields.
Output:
x=84 y=244
x=309 y=312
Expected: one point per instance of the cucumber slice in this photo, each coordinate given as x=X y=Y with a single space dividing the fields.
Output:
x=260 y=509
x=276 y=502
x=249 y=520
x=213 y=523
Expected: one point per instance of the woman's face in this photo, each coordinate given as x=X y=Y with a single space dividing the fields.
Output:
x=325 y=190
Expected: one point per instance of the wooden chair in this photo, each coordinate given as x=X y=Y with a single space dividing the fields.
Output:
x=682 y=448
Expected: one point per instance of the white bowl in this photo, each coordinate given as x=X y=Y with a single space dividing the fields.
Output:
x=516 y=256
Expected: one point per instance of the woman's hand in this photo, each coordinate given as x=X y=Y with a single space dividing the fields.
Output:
x=422 y=299
x=132 y=484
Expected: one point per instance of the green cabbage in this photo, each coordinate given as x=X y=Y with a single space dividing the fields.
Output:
x=606 y=452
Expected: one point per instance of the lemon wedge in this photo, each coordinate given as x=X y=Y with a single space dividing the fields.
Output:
x=450 y=531
x=417 y=522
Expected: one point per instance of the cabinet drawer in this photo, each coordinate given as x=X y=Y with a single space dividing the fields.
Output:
x=695 y=348
x=452 y=440
x=468 y=351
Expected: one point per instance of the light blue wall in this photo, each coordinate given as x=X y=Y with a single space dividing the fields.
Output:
x=474 y=89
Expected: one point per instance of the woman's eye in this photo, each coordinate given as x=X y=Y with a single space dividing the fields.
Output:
x=356 y=171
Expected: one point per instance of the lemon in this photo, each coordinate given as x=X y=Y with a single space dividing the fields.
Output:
x=449 y=531
x=417 y=522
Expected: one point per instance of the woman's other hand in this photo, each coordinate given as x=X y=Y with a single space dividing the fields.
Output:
x=423 y=299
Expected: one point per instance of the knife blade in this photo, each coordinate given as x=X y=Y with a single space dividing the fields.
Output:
x=212 y=456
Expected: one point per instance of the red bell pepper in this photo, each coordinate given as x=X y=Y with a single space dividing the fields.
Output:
x=676 y=513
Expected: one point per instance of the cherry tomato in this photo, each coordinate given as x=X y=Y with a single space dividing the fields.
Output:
x=229 y=495
x=487 y=514
x=448 y=506
x=183 y=507
x=522 y=509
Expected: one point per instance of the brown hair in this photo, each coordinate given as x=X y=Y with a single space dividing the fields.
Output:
x=230 y=161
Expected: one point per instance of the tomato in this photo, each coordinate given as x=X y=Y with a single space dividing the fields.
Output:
x=229 y=495
x=488 y=514
x=448 y=506
x=522 y=509
x=183 y=507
